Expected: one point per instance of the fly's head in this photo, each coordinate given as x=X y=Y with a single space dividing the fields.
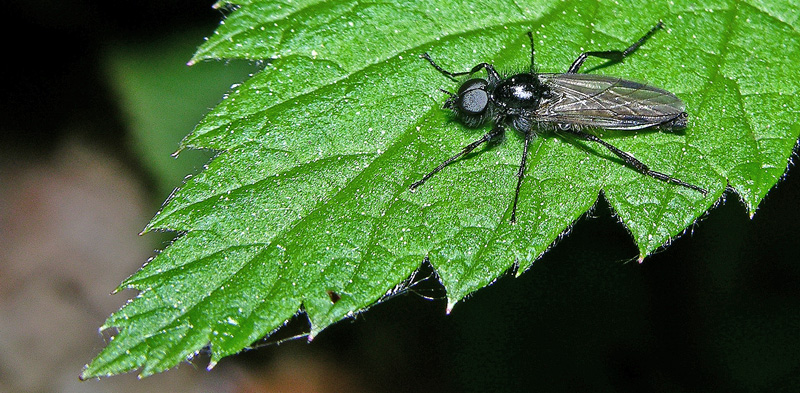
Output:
x=471 y=104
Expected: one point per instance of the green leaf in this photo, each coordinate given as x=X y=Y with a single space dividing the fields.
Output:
x=309 y=194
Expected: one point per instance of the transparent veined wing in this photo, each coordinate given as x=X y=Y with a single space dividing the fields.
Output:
x=608 y=102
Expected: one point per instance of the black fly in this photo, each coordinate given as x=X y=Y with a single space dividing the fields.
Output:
x=564 y=103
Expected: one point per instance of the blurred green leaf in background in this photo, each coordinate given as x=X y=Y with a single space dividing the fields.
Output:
x=162 y=99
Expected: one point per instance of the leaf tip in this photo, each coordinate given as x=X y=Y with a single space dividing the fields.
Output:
x=88 y=373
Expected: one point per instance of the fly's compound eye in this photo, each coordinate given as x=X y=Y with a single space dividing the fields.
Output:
x=473 y=99
x=471 y=104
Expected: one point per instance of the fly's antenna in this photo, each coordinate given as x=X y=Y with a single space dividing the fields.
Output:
x=449 y=103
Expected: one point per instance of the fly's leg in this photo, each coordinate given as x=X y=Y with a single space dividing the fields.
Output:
x=493 y=75
x=521 y=174
x=613 y=55
x=632 y=161
x=533 y=52
x=497 y=131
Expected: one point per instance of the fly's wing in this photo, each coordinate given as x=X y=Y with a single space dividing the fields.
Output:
x=607 y=102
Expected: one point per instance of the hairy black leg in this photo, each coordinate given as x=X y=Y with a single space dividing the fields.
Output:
x=613 y=55
x=497 y=131
x=493 y=75
x=521 y=174
x=632 y=161
x=533 y=52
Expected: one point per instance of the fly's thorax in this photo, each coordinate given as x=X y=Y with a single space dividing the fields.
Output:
x=521 y=91
x=523 y=123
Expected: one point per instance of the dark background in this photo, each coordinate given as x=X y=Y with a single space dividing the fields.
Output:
x=718 y=310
